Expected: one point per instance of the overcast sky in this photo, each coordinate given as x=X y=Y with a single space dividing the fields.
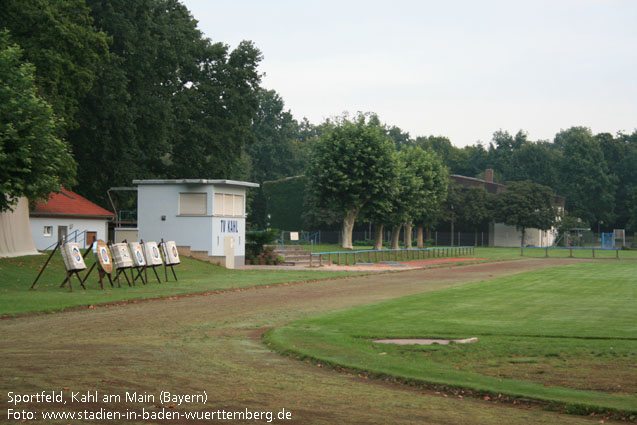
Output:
x=461 y=69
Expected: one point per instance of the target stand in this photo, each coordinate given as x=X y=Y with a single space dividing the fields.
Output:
x=171 y=257
x=73 y=262
x=122 y=261
x=152 y=257
x=104 y=263
x=139 y=263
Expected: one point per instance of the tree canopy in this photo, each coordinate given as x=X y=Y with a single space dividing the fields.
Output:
x=352 y=167
x=34 y=161
x=526 y=205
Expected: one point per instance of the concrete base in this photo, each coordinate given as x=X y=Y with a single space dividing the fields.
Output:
x=185 y=251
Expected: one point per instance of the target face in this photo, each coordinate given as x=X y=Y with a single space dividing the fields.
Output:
x=124 y=252
x=76 y=255
x=105 y=257
x=140 y=257
x=155 y=252
x=174 y=252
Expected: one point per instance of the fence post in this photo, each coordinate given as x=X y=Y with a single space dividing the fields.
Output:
x=310 y=259
x=617 y=253
x=521 y=251
x=593 y=252
x=436 y=242
x=570 y=255
x=320 y=260
x=546 y=253
x=338 y=258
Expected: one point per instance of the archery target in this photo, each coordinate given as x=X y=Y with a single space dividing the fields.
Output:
x=121 y=256
x=73 y=260
x=171 y=256
x=151 y=253
x=103 y=256
x=137 y=254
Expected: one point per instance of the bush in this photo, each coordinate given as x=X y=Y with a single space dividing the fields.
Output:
x=256 y=252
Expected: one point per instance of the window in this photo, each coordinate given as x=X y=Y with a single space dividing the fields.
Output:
x=193 y=203
x=238 y=206
x=48 y=231
x=228 y=205
x=218 y=206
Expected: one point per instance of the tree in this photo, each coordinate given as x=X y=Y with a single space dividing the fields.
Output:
x=33 y=160
x=59 y=38
x=473 y=208
x=583 y=176
x=352 y=168
x=526 y=205
x=168 y=103
x=537 y=162
x=432 y=178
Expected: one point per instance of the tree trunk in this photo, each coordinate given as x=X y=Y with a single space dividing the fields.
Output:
x=378 y=237
x=475 y=239
x=395 y=237
x=348 y=228
x=420 y=240
x=452 y=233
x=522 y=240
x=408 y=235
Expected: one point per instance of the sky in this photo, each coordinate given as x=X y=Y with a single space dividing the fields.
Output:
x=457 y=68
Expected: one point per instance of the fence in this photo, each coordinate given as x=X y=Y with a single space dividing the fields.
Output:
x=366 y=238
x=562 y=250
x=385 y=255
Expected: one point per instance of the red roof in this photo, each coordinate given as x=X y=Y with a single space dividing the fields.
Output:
x=67 y=203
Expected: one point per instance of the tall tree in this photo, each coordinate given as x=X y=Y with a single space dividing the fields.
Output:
x=59 y=38
x=472 y=208
x=169 y=103
x=537 y=162
x=33 y=160
x=432 y=179
x=583 y=176
x=352 y=167
x=526 y=205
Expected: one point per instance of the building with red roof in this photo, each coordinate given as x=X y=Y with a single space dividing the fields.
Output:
x=67 y=214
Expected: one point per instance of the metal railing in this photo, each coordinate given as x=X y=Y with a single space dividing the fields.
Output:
x=72 y=237
x=385 y=255
x=570 y=248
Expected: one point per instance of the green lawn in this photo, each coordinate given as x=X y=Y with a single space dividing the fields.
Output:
x=566 y=336
x=17 y=275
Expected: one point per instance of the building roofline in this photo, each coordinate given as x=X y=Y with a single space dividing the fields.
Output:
x=70 y=215
x=196 y=181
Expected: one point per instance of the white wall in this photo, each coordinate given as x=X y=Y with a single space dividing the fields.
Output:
x=509 y=236
x=42 y=242
x=201 y=233
x=157 y=200
x=218 y=235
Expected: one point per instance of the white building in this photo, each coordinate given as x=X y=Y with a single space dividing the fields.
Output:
x=206 y=218
x=67 y=214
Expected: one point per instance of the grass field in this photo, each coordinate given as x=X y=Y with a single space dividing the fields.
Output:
x=566 y=336
x=17 y=275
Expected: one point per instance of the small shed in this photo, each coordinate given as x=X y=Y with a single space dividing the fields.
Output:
x=67 y=214
x=206 y=218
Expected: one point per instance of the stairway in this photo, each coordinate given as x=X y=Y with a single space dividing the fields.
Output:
x=293 y=255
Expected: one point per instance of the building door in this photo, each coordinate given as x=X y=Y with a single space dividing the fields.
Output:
x=62 y=232
x=228 y=247
x=91 y=237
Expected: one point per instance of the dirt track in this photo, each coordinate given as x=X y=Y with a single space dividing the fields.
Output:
x=213 y=343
